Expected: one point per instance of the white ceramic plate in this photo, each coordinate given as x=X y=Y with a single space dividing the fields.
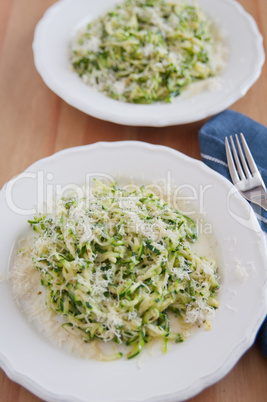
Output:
x=51 y=43
x=54 y=375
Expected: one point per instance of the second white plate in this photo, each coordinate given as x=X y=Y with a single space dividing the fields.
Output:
x=54 y=375
x=51 y=46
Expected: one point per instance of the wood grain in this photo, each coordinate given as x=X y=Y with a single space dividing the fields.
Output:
x=35 y=123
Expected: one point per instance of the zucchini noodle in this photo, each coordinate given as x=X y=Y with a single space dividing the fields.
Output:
x=145 y=51
x=115 y=264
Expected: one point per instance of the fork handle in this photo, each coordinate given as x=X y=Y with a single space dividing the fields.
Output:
x=262 y=202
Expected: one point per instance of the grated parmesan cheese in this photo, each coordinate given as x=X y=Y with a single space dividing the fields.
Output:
x=111 y=269
x=146 y=51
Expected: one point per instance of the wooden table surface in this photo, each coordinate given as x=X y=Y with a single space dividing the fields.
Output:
x=35 y=123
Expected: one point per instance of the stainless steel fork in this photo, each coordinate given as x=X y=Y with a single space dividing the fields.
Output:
x=244 y=172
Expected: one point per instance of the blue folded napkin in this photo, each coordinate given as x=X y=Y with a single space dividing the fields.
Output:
x=212 y=147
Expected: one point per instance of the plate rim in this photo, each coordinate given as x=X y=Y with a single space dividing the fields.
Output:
x=202 y=382
x=75 y=102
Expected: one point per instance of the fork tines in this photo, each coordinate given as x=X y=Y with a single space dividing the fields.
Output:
x=247 y=168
